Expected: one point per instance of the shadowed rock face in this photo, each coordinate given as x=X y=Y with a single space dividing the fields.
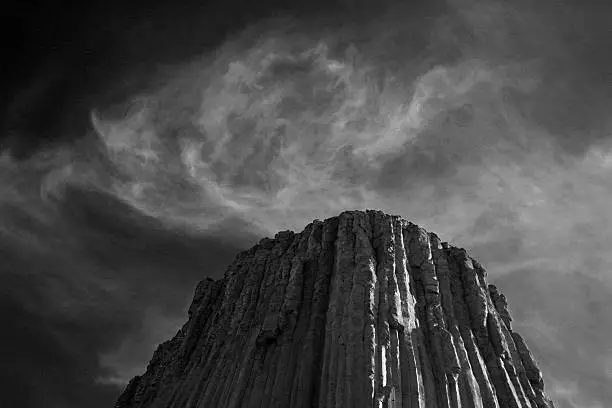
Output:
x=360 y=310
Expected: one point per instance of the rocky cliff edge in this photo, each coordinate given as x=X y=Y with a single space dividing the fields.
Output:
x=360 y=310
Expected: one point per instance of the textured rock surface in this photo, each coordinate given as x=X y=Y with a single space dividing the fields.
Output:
x=360 y=310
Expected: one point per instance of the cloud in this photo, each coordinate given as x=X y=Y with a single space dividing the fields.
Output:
x=131 y=357
x=40 y=370
x=73 y=265
x=283 y=116
x=568 y=395
x=561 y=312
x=275 y=126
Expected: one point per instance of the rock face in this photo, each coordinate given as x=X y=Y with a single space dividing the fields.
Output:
x=360 y=310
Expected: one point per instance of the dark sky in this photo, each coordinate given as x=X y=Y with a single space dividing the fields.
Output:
x=144 y=144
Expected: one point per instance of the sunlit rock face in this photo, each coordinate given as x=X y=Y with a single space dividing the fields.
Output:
x=360 y=310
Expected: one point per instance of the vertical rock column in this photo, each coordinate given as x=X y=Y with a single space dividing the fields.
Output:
x=412 y=392
x=360 y=310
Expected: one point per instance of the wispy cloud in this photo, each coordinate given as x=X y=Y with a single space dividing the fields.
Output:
x=568 y=395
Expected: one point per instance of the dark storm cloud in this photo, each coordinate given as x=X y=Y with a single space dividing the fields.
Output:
x=565 y=315
x=82 y=276
x=40 y=369
x=86 y=300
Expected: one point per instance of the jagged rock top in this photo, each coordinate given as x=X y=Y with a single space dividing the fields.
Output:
x=362 y=309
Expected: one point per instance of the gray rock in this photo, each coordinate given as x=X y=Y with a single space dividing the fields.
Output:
x=360 y=310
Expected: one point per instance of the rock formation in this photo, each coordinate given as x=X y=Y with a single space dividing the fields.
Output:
x=360 y=310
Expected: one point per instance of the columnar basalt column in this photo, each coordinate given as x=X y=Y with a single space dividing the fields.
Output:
x=360 y=310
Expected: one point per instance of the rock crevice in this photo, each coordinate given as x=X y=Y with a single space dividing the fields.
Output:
x=360 y=310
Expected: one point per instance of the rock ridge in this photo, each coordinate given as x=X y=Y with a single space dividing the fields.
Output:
x=363 y=309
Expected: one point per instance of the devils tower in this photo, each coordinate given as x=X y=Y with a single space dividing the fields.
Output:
x=360 y=310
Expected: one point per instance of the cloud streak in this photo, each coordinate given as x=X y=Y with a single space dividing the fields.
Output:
x=278 y=126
